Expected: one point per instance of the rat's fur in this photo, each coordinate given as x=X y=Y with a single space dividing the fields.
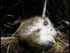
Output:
x=28 y=31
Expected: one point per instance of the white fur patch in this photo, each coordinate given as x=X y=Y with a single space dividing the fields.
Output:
x=46 y=34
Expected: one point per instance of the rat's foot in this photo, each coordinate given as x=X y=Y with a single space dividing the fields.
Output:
x=59 y=33
x=53 y=41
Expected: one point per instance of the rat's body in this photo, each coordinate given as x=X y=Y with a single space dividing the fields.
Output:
x=30 y=31
x=37 y=30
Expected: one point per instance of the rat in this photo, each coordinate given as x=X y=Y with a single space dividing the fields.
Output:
x=38 y=30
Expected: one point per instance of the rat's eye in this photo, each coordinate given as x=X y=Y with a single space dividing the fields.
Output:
x=45 y=22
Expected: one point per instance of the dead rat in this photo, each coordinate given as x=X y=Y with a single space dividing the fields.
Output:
x=37 y=30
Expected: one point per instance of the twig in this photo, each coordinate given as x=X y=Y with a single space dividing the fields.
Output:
x=7 y=40
x=4 y=39
x=3 y=31
x=48 y=12
x=67 y=47
x=8 y=26
x=16 y=22
x=3 y=45
x=8 y=48
x=44 y=9
x=10 y=15
x=63 y=50
x=9 y=44
x=60 y=41
x=8 y=34
x=17 y=3
x=67 y=22
x=60 y=27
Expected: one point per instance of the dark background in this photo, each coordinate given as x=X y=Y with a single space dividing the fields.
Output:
x=30 y=8
x=57 y=10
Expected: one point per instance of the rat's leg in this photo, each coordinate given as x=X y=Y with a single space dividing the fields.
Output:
x=53 y=41
x=45 y=22
x=59 y=33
